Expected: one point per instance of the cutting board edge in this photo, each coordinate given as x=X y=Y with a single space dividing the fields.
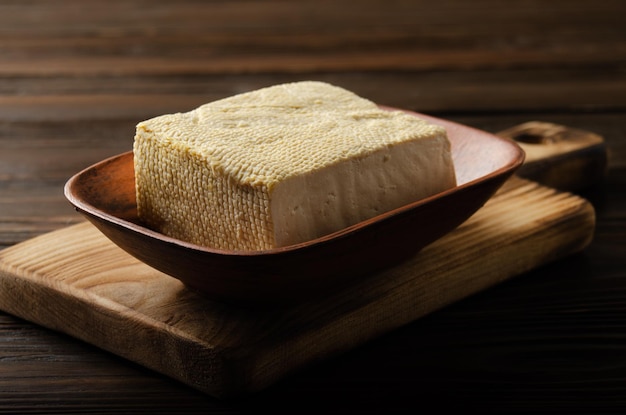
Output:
x=221 y=369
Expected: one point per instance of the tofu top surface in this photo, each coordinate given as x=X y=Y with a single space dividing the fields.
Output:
x=262 y=137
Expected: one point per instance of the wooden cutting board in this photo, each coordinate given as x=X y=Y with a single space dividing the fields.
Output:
x=76 y=281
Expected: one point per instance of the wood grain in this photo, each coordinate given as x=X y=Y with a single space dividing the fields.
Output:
x=305 y=36
x=97 y=289
x=551 y=341
x=558 y=156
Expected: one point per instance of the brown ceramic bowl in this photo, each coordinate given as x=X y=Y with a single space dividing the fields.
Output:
x=105 y=194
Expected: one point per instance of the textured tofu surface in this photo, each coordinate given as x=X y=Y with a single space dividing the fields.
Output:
x=282 y=165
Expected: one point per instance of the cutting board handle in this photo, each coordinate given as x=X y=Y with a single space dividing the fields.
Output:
x=558 y=156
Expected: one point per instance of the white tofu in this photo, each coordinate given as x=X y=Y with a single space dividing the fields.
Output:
x=283 y=165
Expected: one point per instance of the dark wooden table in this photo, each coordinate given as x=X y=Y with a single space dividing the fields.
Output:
x=76 y=76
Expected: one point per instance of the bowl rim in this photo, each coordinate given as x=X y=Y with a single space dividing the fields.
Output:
x=86 y=207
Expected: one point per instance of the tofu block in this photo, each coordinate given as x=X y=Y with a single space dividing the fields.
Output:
x=283 y=165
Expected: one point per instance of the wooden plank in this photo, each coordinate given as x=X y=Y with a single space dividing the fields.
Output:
x=85 y=286
x=106 y=97
x=280 y=36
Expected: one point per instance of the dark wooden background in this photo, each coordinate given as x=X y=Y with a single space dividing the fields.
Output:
x=76 y=76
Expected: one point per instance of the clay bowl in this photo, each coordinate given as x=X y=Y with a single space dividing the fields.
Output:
x=104 y=193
